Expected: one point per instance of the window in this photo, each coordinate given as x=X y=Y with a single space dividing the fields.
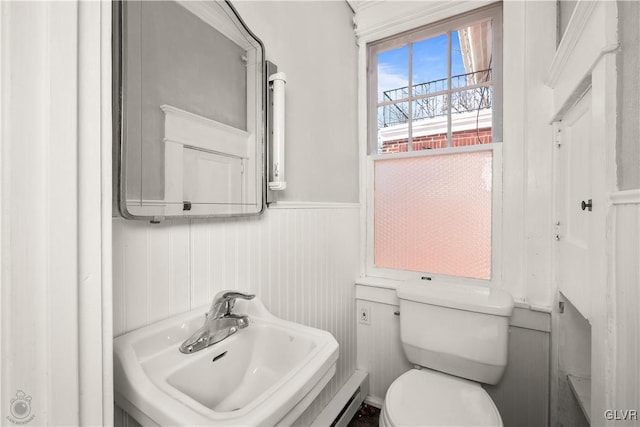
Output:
x=435 y=132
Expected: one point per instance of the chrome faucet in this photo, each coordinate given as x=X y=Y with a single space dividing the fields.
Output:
x=219 y=323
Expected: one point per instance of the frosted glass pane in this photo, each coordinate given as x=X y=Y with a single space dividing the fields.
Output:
x=433 y=214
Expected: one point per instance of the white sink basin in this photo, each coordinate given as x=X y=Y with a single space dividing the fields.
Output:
x=265 y=374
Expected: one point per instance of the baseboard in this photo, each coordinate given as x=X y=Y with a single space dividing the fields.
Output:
x=374 y=401
x=345 y=403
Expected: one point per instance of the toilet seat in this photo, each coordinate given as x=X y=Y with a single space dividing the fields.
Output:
x=430 y=398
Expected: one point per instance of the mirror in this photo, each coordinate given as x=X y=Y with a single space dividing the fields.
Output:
x=189 y=121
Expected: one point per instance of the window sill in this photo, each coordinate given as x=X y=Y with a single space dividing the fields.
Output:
x=377 y=289
x=378 y=282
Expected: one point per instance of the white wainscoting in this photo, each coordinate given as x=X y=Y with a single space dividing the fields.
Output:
x=379 y=349
x=301 y=262
x=626 y=253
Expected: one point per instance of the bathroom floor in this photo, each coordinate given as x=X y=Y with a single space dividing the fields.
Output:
x=367 y=416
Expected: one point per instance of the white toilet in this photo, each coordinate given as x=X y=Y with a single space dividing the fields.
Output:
x=457 y=336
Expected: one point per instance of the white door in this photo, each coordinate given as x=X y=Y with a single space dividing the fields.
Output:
x=573 y=167
x=212 y=178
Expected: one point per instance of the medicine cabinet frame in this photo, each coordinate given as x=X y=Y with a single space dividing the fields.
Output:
x=156 y=210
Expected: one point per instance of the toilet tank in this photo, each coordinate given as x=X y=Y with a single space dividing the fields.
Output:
x=458 y=329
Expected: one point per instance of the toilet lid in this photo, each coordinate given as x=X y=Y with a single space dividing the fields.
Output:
x=428 y=398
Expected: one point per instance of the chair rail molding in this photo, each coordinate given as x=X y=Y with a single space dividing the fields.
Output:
x=313 y=205
x=626 y=197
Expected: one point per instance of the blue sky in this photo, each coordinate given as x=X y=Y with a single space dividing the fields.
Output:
x=429 y=62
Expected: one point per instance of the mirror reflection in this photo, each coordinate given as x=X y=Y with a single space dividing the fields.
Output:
x=191 y=110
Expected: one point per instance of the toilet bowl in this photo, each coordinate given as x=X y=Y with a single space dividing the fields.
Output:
x=456 y=336
x=428 y=398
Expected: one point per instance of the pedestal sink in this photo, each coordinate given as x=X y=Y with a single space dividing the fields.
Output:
x=263 y=375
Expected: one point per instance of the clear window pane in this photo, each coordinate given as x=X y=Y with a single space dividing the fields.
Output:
x=430 y=122
x=471 y=56
x=393 y=128
x=393 y=115
x=430 y=65
x=433 y=214
x=458 y=68
x=471 y=109
x=393 y=74
x=471 y=116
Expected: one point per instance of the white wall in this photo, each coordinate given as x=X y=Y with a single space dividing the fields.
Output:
x=529 y=46
x=301 y=257
x=313 y=43
x=628 y=147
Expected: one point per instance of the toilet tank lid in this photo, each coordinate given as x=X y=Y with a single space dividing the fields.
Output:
x=462 y=297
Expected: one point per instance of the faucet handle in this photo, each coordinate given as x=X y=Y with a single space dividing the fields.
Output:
x=224 y=301
x=232 y=295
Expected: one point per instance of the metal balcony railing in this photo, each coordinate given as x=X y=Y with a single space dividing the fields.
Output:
x=425 y=106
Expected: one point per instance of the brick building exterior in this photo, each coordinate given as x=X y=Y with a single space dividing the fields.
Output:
x=428 y=142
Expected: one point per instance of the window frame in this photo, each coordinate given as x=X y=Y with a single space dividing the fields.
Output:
x=373 y=48
x=425 y=32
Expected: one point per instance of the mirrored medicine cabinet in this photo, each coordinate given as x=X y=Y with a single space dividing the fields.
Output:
x=189 y=115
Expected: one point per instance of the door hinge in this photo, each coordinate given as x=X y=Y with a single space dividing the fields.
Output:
x=557 y=231
x=558 y=138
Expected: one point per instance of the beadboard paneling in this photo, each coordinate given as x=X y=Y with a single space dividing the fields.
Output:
x=300 y=262
x=379 y=349
x=627 y=300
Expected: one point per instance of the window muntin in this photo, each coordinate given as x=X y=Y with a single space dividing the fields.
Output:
x=434 y=92
x=435 y=157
